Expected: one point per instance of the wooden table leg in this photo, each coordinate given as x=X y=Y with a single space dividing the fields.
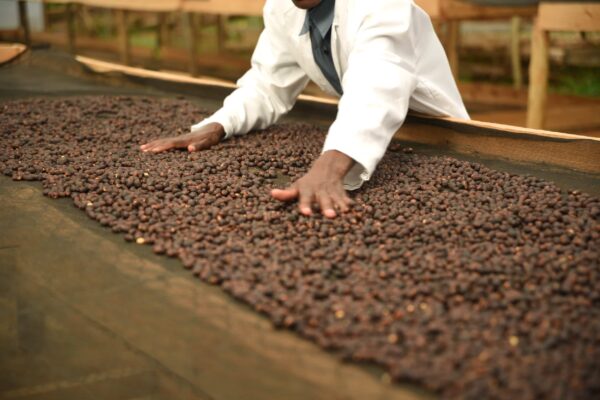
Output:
x=123 y=36
x=162 y=29
x=515 y=52
x=24 y=21
x=221 y=32
x=71 y=28
x=538 y=77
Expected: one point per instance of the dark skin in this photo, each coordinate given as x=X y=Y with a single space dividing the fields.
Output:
x=322 y=184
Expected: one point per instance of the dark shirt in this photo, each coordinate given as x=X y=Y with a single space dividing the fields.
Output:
x=318 y=23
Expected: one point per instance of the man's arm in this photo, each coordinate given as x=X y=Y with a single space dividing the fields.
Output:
x=378 y=84
x=265 y=93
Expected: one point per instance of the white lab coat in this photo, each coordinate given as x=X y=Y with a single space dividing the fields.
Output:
x=389 y=60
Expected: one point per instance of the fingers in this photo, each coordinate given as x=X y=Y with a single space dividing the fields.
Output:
x=288 y=194
x=175 y=142
x=326 y=202
x=331 y=201
x=306 y=200
x=292 y=193
x=192 y=144
x=148 y=146
x=198 y=145
x=341 y=200
x=157 y=146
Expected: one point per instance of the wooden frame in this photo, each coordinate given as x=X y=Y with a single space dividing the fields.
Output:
x=222 y=9
x=451 y=12
x=121 y=13
x=580 y=17
x=575 y=152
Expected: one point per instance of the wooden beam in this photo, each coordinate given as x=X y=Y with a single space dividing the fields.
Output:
x=24 y=22
x=123 y=36
x=509 y=143
x=538 y=77
x=576 y=17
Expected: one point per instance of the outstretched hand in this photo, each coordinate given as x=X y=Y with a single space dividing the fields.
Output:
x=202 y=139
x=322 y=185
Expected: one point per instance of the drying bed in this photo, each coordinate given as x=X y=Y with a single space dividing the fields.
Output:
x=470 y=282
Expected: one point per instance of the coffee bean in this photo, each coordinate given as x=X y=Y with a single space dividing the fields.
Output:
x=470 y=282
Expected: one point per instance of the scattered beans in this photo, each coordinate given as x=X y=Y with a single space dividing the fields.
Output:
x=471 y=282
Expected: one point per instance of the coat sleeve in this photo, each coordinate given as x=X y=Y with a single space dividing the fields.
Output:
x=267 y=91
x=378 y=83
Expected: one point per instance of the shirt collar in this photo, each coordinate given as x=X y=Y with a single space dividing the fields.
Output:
x=320 y=16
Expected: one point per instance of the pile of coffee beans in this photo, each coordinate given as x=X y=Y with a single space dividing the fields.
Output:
x=467 y=281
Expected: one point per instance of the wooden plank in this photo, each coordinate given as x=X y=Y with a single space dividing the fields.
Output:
x=106 y=67
x=224 y=7
x=492 y=126
x=10 y=51
x=513 y=144
x=538 y=77
x=569 y=118
x=577 y=17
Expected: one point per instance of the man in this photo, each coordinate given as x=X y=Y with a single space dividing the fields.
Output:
x=381 y=57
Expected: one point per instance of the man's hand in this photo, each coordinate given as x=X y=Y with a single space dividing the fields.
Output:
x=201 y=139
x=321 y=185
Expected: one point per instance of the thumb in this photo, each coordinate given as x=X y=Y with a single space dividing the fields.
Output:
x=288 y=194
x=197 y=146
